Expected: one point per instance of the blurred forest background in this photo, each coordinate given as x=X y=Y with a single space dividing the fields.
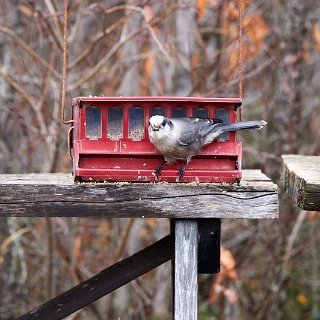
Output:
x=270 y=269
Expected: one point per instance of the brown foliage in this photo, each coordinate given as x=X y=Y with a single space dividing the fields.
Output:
x=270 y=268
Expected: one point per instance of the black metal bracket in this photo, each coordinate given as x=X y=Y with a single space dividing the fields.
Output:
x=209 y=231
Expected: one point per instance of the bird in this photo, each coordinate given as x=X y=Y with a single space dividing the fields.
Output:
x=182 y=138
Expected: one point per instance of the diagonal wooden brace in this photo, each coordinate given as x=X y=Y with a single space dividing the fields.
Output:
x=105 y=282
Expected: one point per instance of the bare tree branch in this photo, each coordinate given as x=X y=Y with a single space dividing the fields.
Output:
x=30 y=51
x=117 y=46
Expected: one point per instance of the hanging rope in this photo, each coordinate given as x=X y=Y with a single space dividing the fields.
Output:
x=64 y=63
x=64 y=75
x=240 y=56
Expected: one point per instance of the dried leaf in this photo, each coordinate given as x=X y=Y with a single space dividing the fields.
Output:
x=143 y=232
x=232 y=63
x=25 y=10
x=233 y=11
x=225 y=22
x=228 y=263
x=214 y=4
x=38 y=229
x=148 y=66
x=77 y=247
x=313 y=215
x=148 y=13
x=255 y=29
x=104 y=227
x=302 y=299
x=227 y=270
x=233 y=60
x=316 y=34
x=152 y=223
x=201 y=9
x=196 y=59
x=305 y=50
x=227 y=259
x=64 y=254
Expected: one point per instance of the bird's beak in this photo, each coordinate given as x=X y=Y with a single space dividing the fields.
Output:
x=155 y=128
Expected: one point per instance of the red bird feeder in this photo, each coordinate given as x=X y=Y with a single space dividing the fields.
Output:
x=109 y=139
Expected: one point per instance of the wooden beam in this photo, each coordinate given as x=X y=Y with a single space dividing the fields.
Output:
x=301 y=180
x=106 y=281
x=185 y=270
x=53 y=195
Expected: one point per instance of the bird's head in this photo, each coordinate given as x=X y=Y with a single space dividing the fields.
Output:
x=156 y=123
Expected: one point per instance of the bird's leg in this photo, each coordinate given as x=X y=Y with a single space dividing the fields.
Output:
x=159 y=169
x=182 y=170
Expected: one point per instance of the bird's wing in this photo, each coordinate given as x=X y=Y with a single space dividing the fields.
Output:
x=207 y=125
x=194 y=128
x=189 y=130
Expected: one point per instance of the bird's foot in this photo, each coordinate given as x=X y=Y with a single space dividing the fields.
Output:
x=181 y=171
x=158 y=171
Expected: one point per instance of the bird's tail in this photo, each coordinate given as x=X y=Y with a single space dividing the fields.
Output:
x=246 y=125
x=220 y=128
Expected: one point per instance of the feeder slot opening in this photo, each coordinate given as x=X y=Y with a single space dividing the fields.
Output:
x=224 y=115
x=179 y=112
x=93 y=123
x=158 y=111
x=136 y=123
x=201 y=113
x=115 y=123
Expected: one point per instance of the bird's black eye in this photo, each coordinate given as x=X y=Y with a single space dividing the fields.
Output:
x=164 y=122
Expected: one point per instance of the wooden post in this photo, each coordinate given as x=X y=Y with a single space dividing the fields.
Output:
x=185 y=270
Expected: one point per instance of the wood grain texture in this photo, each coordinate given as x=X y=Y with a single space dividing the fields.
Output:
x=301 y=180
x=185 y=270
x=40 y=195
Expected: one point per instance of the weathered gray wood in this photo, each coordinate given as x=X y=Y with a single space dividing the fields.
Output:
x=185 y=270
x=39 y=195
x=105 y=282
x=301 y=180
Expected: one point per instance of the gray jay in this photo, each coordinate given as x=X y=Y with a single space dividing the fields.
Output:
x=182 y=138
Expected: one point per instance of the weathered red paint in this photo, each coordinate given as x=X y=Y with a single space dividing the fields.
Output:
x=100 y=156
